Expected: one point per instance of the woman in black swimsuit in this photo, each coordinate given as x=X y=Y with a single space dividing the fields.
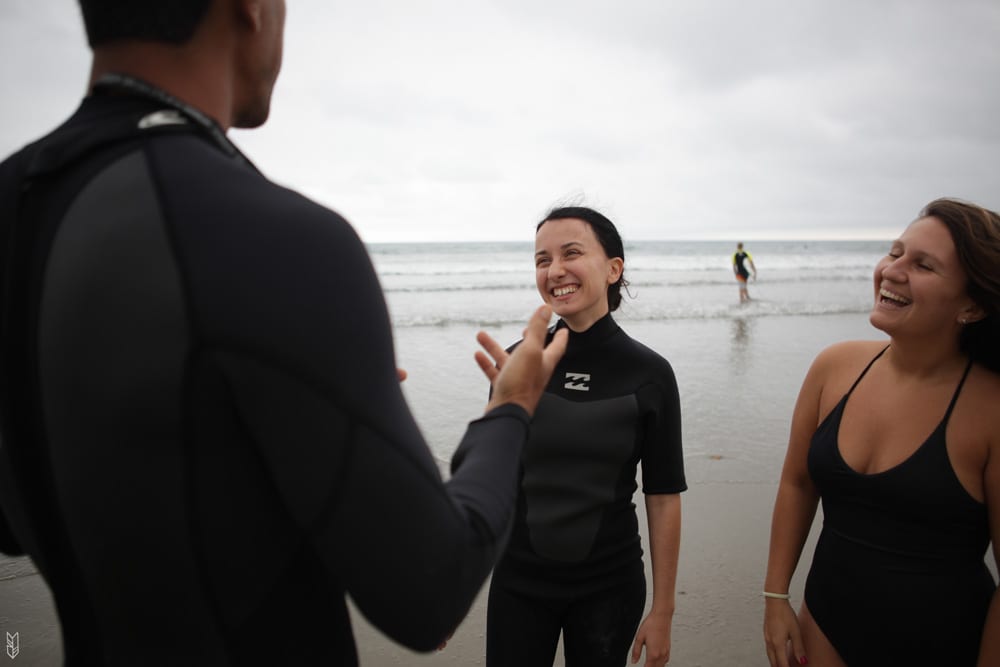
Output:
x=898 y=576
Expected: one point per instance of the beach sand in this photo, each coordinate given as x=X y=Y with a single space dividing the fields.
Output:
x=738 y=379
x=718 y=618
x=719 y=605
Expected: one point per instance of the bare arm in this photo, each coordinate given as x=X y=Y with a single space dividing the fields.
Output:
x=794 y=510
x=663 y=513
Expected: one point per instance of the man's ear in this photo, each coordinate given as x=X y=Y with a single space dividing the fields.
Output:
x=250 y=13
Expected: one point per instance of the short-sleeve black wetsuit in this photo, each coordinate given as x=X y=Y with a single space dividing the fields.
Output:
x=739 y=257
x=204 y=442
x=611 y=404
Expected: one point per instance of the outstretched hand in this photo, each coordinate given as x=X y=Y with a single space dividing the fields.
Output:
x=521 y=377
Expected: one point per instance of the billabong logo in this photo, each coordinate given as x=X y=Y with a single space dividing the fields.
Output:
x=13 y=644
x=577 y=381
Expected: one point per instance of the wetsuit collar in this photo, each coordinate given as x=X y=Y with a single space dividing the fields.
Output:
x=123 y=83
x=598 y=332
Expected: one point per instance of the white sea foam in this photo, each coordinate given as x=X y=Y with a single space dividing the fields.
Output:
x=440 y=284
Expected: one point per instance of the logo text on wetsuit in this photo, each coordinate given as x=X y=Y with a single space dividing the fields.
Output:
x=13 y=644
x=577 y=381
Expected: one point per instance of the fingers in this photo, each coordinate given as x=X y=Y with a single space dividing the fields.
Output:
x=778 y=654
x=656 y=656
x=538 y=326
x=490 y=366
x=782 y=635
x=537 y=330
x=401 y=374
x=444 y=642
x=778 y=657
x=521 y=377
x=492 y=347
x=656 y=660
x=798 y=648
x=555 y=349
x=486 y=365
x=776 y=651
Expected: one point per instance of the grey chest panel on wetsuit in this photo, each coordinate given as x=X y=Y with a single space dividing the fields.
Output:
x=573 y=462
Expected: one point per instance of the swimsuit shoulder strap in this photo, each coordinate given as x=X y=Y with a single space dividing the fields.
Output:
x=865 y=371
x=958 y=389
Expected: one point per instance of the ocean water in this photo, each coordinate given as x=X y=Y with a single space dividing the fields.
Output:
x=739 y=366
x=493 y=283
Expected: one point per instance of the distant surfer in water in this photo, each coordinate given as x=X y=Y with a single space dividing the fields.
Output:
x=740 y=259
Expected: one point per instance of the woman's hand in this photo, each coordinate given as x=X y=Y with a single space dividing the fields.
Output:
x=781 y=626
x=654 y=634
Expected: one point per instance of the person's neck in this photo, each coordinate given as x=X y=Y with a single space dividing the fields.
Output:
x=582 y=324
x=182 y=71
x=923 y=358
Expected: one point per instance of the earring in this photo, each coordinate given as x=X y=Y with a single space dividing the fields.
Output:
x=964 y=320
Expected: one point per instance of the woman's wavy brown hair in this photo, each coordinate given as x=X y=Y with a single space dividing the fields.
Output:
x=976 y=233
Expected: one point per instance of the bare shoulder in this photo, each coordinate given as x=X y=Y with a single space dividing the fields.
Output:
x=847 y=356
x=835 y=369
x=984 y=378
x=980 y=391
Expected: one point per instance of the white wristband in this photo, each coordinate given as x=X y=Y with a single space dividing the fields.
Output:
x=777 y=596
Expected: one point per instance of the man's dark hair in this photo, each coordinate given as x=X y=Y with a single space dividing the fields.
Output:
x=172 y=21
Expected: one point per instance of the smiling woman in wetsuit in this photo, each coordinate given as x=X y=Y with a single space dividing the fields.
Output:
x=901 y=441
x=574 y=561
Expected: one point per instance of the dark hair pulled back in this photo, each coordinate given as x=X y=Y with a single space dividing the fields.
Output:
x=608 y=236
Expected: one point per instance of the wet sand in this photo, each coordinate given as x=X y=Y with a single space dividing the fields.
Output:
x=738 y=381
x=718 y=617
x=719 y=605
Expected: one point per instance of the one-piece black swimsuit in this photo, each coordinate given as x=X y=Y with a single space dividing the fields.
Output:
x=898 y=576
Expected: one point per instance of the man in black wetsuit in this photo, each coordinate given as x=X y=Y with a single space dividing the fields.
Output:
x=204 y=442
x=740 y=258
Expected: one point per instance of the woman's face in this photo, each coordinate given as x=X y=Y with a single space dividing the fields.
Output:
x=573 y=272
x=920 y=286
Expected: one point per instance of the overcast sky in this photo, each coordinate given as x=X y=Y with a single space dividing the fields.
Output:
x=696 y=119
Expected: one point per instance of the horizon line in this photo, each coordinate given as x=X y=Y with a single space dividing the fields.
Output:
x=743 y=239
